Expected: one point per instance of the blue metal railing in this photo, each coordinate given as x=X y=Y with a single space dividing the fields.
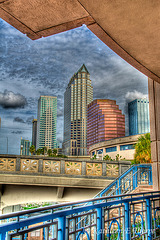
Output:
x=129 y=180
x=124 y=216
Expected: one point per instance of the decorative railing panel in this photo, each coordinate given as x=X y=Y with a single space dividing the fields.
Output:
x=85 y=228
x=112 y=170
x=7 y=164
x=39 y=165
x=50 y=166
x=73 y=168
x=94 y=169
x=28 y=165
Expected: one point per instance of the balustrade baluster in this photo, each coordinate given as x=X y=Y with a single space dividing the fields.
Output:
x=149 y=219
x=99 y=223
x=127 y=221
x=61 y=228
x=2 y=236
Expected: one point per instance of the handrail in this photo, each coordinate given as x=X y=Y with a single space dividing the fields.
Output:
x=120 y=185
x=97 y=203
x=52 y=207
x=112 y=183
x=123 y=175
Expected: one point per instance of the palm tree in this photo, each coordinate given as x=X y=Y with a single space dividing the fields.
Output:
x=32 y=149
x=143 y=149
x=49 y=152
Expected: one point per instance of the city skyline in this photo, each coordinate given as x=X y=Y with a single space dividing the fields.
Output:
x=33 y=68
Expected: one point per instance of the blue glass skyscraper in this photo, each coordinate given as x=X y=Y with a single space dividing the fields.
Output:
x=138 y=112
x=46 y=122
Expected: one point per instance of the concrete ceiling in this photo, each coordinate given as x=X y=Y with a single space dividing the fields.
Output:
x=130 y=28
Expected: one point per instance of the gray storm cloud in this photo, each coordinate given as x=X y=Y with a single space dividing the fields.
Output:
x=9 y=99
x=20 y=120
x=130 y=96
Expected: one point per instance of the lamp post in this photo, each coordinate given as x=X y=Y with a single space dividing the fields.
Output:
x=97 y=155
x=21 y=149
x=100 y=152
x=7 y=145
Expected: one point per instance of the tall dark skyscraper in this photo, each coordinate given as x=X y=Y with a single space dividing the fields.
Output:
x=78 y=94
x=34 y=132
x=138 y=112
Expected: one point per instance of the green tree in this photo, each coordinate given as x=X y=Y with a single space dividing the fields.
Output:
x=143 y=149
x=118 y=158
x=54 y=151
x=94 y=157
x=39 y=151
x=32 y=149
x=49 y=152
x=107 y=158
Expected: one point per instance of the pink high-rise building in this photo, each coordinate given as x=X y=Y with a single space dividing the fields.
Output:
x=104 y=121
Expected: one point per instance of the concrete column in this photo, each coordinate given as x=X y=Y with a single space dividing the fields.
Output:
x=62 y=166
x=104 y=166
x=154 y=110
x=60 y=191
x=18 y=164
x=40 y=165
x=83 y=168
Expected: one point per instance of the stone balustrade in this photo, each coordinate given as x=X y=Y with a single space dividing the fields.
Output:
x=40 y=165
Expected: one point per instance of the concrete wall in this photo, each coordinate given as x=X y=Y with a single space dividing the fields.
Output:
x=127 y=154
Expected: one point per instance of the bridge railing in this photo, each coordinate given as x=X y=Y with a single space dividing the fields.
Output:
x=34 y=165
x=128 y=181
x=131 y=216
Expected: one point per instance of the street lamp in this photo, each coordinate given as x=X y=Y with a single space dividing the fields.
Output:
x=7 y=145
x=100 y=152
x=21 y=149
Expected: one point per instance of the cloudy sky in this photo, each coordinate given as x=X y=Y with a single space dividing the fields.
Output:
x=29 y=69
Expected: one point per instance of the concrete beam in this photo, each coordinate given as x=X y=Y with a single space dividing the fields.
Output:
x=60 y=192
x=73 y=182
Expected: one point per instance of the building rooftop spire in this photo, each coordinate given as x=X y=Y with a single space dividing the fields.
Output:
x=83 y=69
